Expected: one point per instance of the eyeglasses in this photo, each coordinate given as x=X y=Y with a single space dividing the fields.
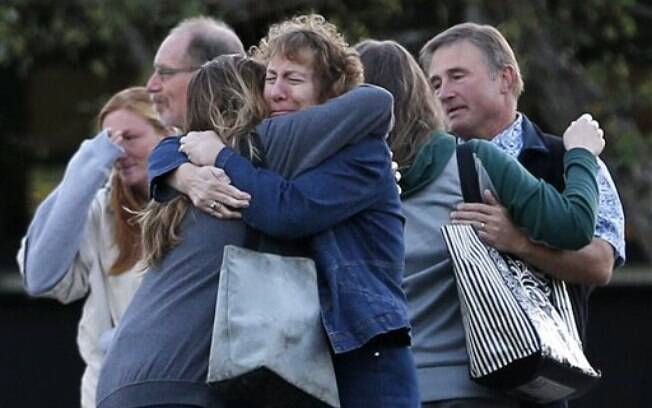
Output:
x=167 y=72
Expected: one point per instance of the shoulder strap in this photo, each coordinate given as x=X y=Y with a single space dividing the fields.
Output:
x=468 y=174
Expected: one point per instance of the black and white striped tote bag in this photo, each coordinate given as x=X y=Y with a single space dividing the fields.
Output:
x=520 y=329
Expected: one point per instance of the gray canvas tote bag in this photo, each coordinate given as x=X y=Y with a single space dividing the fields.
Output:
x=268 y=345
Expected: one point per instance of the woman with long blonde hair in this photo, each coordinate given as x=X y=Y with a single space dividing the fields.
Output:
x=160 y=353
x=84 y=239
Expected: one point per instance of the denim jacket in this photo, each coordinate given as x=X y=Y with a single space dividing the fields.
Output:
x=347 y=206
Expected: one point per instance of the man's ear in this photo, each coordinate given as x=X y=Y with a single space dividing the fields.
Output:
x=507 y=78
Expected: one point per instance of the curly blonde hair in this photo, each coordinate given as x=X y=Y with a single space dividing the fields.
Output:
x=310 y=39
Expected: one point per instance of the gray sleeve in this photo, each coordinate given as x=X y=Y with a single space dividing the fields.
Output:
x=296 y=142
x=49 y=251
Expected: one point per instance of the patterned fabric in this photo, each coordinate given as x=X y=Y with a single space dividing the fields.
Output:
x=610 y=224
x=510 y=140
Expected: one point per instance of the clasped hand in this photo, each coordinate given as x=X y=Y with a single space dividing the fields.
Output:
x=208 y=187
x=201 y=147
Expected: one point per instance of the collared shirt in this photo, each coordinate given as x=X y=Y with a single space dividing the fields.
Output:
x=610 y=224
x=510 y=140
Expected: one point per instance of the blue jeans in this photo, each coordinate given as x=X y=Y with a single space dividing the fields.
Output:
x=377 y=375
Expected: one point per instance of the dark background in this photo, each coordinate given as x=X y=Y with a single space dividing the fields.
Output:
x=41 y=366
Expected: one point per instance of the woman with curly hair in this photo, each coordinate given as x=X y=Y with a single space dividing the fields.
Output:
x=160 y=353
x=344 y=212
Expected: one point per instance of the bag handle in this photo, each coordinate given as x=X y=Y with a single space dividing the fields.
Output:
x=468 y=173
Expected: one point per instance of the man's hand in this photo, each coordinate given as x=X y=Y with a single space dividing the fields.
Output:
x=494 y=226
x=201 y=148
x=210 y=190
x=591 y=265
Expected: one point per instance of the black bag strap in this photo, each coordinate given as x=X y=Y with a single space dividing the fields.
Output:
x=468 y=174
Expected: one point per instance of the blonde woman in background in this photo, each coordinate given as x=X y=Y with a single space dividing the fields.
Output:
x=83 y=240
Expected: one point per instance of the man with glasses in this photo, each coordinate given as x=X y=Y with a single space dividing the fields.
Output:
x=191 y=43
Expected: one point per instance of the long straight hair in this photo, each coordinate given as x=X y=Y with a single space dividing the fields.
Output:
x=417 y=112
x=124 y=201
x=225 y=95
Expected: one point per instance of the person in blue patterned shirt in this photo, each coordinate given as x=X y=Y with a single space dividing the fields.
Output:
x=474 y=74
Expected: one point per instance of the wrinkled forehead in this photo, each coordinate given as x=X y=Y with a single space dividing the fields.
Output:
x=458 y=55
x=300 y=56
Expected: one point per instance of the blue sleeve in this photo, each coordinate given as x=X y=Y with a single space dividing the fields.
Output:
x=57 y=231
x=347 y=183
x=296 y=142
x=164 y=159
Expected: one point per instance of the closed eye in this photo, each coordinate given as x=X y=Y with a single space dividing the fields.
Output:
x=296 y=80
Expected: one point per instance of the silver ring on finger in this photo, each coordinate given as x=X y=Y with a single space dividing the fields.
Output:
x=214 y=205
x=482 y=226
x=189 y=158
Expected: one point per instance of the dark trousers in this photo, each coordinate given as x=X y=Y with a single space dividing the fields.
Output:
x=172 y=406
x=484 y=403
x=470 y=403
x=378 y=375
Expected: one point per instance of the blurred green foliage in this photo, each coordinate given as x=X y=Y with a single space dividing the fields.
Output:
x=43 y=179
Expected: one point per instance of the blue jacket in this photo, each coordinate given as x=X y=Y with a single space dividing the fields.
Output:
x=351 y=209
x=348 y=206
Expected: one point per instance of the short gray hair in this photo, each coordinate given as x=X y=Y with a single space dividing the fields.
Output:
x=488 y=39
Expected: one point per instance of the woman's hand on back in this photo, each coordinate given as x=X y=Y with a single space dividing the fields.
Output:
x=201 y=147
x=210 y=190
x=585 y=133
